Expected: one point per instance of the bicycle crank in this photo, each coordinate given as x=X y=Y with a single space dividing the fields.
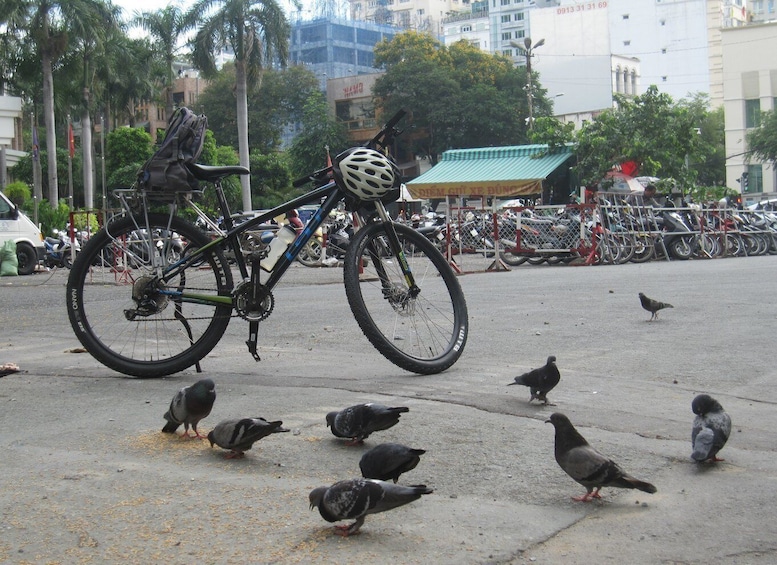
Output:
x=253 y=302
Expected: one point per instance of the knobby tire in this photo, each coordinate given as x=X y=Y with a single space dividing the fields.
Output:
x=424 y=334
x=172 y=334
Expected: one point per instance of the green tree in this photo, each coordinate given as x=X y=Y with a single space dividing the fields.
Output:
x=762 y=140
x=551 y=132
x=457 y=96
x=319 y=131
x=18 y=192
x=258 y=34
x=707 y=159
x=165 y=26
x=51 y=25
x=275 y=103
x=271 y=178
x=126 y=151
x=650 y=129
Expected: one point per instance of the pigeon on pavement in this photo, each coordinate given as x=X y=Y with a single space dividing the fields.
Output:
x=356 y=498
x=239 y=435
x=540 y=381
x=653 y=306
x=190 y=405
x=586 y=465
x=711 y=428
x=359 y=421
x=389 y=460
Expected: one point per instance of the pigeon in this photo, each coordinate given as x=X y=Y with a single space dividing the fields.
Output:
x=359 y=421
x=540 y=381
x=389 y=460
x=586 y=465
x=190 y=405
x=653 y=306
x=356 y=498
x=711 y=428
x=239 y=435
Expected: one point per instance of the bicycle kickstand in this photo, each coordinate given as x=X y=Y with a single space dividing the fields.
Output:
x=253 y=331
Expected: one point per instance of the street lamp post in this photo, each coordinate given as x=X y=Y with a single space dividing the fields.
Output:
x=528 y=50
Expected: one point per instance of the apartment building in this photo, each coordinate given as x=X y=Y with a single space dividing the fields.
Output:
x=749 y=88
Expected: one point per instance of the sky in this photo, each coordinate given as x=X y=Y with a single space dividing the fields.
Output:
x=129 y=6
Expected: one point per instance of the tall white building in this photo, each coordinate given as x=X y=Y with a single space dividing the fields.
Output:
x=749 y=88
x=419 y=15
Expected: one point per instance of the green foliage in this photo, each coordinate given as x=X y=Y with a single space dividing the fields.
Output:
x=661 y=136
x=458 y=96
x=277 y=101
x=126 y=147
x=51 y=218
x=551 y=132
x=123 y=177
x=270 y=179
x=762 y=140
x=22 y=171
x=83 y=221
x=319 y=130
x=18 y=192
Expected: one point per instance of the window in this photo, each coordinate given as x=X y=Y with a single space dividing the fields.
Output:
x=752 y=113
x=755 y=179
x=663 y=51
x=625 y=16
x=466 y=28
x=505 y=18
x=519 y=17
x=663 y=78
x=421 y=12
x=507 y=36
x=520 y=34
x=627 y=42
x=505 y=2
x=507 y=52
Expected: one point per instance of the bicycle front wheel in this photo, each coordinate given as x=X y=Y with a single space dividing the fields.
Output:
x=422 y=329
x=134 y=323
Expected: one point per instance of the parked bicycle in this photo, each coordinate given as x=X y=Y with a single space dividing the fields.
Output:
x=163 y=315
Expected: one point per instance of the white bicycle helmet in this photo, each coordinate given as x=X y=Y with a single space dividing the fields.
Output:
x=366 y=173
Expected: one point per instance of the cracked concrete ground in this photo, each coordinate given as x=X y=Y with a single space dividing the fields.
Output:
x=87 y=477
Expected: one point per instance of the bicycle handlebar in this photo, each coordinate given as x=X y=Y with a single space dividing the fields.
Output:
x=382 y=139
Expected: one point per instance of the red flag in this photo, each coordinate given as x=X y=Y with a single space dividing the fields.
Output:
x=71 y=142
x=35 y=148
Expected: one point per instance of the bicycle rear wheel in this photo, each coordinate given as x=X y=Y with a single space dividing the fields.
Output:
x=130 y=321
x=422 y=330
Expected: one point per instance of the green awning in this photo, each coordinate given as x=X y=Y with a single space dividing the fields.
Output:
x=491 y=171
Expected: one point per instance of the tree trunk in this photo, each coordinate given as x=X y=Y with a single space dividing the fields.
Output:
x=242 y=129
x=51 y=130
x=86 y=150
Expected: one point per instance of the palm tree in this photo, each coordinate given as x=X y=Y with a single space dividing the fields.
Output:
x=165 y=26
x=258 y=33
x=51 y=24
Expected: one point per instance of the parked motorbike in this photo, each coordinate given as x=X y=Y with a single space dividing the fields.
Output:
x=58 y=250
x=338 y=235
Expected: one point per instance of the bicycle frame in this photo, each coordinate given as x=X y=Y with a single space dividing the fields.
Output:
x=331 y=194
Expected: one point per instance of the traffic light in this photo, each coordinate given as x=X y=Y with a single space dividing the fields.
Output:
x=744 y=181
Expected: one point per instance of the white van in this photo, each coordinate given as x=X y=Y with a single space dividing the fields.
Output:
x=14 y=225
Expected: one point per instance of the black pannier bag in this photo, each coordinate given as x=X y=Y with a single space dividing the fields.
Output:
x=165 y=173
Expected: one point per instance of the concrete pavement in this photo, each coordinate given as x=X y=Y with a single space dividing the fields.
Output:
x=87 y=477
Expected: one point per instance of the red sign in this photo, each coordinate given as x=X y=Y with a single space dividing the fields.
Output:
x=353 y=90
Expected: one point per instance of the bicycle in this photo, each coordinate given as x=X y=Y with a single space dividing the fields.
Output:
x=164 y=313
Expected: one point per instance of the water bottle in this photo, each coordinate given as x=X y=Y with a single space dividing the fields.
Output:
x=278 y=245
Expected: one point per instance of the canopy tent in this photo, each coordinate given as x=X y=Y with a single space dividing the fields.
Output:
x=492 y=171
x=405 y=196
